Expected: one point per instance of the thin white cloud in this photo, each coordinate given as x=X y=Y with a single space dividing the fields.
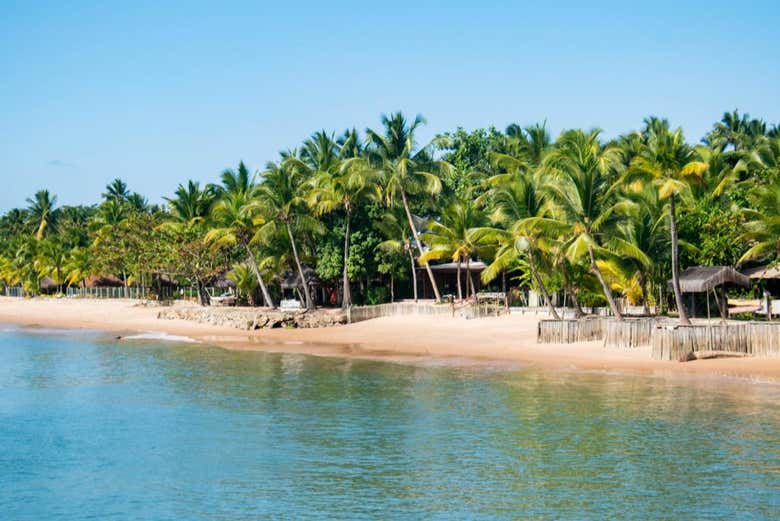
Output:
x=59 y=163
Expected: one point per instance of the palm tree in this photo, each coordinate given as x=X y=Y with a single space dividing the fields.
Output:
x=406 y=169
x=191 y=205
x=78 y=266
x=521 y=210
x=41 y=211
x=116 y=190
x=398 y=240
x=237 y=221
x=641 y=238
x=281 y=197
x=246 y=283
x=456 y=235
x=50 y=260
x=673 y=166
x=336 y=183
x=583 y=171
x=762 y=232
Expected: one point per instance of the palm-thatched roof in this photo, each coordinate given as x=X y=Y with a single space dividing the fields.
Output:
x=102 y=281
x=763 y=272
x=47 y=283
x=699 y=279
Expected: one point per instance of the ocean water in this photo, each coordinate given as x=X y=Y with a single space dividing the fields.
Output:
x=95 y=428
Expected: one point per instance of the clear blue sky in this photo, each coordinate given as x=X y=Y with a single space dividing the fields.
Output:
x=159 y=94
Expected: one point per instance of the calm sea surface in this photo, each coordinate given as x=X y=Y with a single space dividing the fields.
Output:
x=92 y=428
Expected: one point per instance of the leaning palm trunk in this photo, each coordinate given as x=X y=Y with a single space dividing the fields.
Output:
x=256 y=271
x=419 y=246
x=306 y=292
x=681 y=311
x=414 y=273
x=542 y=287
x=347 y=296
x=604 y=286
x=470 y=279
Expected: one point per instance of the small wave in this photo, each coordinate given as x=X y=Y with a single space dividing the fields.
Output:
x=158 y=335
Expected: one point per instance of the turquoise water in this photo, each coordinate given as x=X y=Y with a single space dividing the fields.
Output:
x=92 y=428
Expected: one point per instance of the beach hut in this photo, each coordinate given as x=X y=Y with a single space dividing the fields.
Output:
x=698 y=282
x=48 y=285
x=290 y=283
x=768 y=280
x=446 y=276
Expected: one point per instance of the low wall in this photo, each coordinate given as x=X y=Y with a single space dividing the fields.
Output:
x=749 y=338
x=568 y=331
x=631 y=333
x=254 y=318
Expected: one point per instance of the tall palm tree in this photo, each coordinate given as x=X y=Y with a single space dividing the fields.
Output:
x=281 y=197
x=40 y=211
x=456 y=236
x=236 y=220
x=525 y=229
x=583 y=171
x=407 y=170
x=673 y=166
x=344 y=185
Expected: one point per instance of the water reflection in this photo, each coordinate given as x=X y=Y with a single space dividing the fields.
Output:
x=93 y=427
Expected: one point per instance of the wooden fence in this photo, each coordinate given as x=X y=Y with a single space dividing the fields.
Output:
x=568 y=331
x=118 y=292
x=361 y=313
x=748 y=338
x=631 y=333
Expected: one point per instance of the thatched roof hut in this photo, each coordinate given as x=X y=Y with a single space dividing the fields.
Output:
x=763 y=272
x=291 y=280
x=48 y=284
x=701 y=279
x=103 y=281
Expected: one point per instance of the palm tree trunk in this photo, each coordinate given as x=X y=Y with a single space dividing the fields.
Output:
x=643 y=285
x=253 y=263
x=419 y=246
x=460 y=291
x=681 y=311
x=542 y=287
x=578 y=312
x=604 y=287
x=346 y=297
x=414 y=273
x=471 y=279
x=124 y=283
x=304 y=283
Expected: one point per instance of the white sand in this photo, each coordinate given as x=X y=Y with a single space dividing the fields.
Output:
x=395 y=338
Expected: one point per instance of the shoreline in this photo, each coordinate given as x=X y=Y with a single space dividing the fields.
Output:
x=401 y=339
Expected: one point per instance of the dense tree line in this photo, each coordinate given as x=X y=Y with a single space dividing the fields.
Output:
x=581 y=215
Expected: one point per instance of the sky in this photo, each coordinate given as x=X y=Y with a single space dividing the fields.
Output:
x=159 y=94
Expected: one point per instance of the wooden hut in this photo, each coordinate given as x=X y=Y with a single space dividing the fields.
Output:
x=698 y=282
x=767 y=278
x=446 y=276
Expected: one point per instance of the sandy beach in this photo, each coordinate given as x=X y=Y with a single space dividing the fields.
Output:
x=393 y=338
